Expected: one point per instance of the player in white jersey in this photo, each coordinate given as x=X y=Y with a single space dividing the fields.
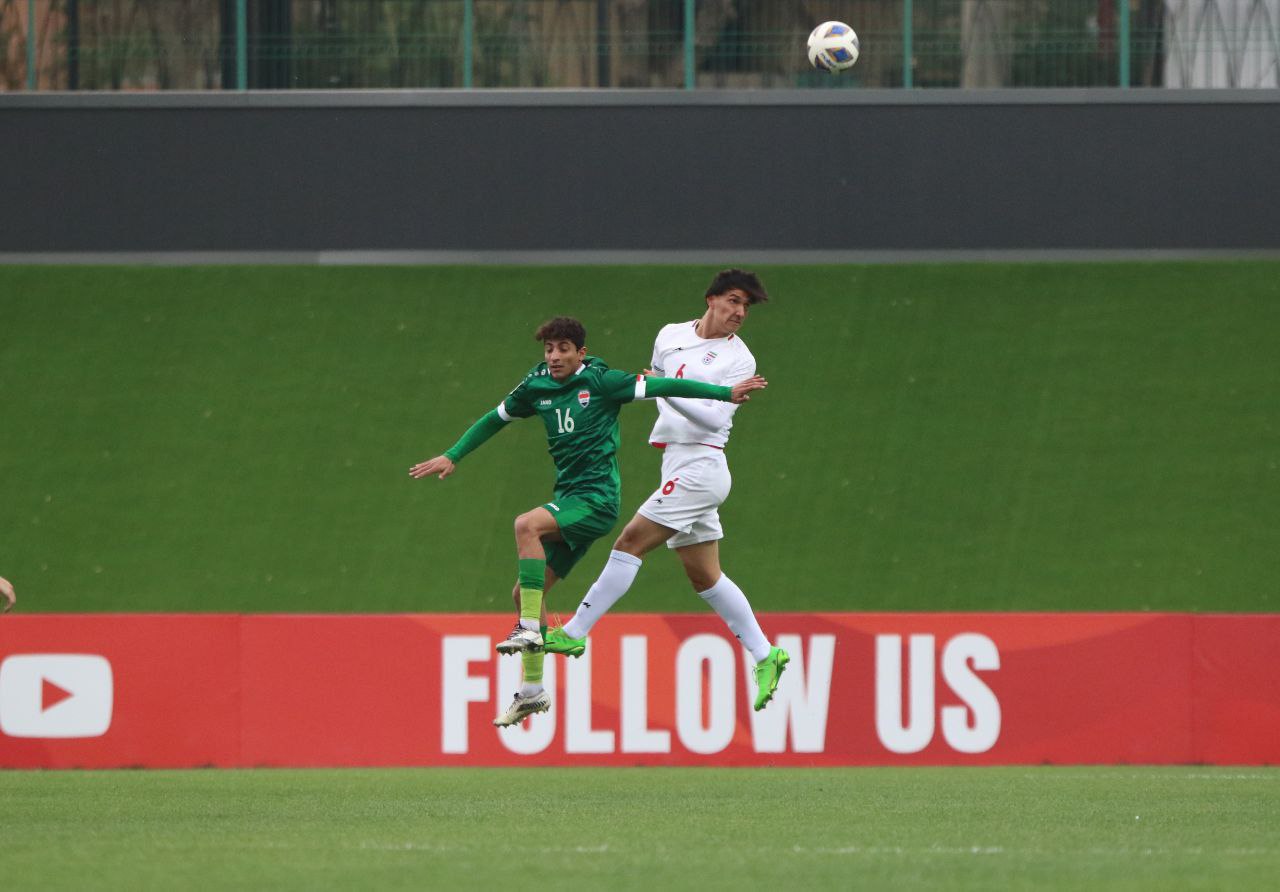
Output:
x=683 y=511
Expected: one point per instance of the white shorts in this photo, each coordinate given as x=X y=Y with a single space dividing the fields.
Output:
x=695 y=483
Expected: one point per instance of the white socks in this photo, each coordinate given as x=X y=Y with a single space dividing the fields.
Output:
x=728 y=600
x=616 y=577
x=620 y=571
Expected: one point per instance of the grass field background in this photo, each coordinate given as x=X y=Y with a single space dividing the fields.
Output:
x=991 y=828
x=937 y=437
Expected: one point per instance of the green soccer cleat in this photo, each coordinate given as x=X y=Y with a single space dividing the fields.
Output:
x=560 y=643
x=768 y=671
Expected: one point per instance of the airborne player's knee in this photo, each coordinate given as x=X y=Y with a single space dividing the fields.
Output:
x=628 y=541
x=701 y=565
x=700 y=579
x=526 y=525
x=641 y=536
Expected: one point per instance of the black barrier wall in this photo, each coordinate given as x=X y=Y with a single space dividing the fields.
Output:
x=814 y=170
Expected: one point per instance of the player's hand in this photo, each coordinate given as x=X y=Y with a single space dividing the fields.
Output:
x=6 y=595
x=743 y=388
x=440 y=466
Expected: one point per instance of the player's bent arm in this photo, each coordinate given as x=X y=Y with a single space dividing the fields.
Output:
x=7 y=596
x=710 y=416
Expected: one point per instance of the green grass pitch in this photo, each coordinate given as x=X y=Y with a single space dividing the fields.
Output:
x=935 y=437
x=958 y=828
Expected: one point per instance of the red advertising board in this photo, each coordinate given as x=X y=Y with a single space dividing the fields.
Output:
x=117 y=690
x=164 y=691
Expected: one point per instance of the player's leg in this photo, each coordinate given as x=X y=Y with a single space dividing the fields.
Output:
x=698 y=547
x=533 y=659
x=549 y=579
x=702 y=565
x=531 y=698
x=671 y=509
x=640 y=536
x=560 y=544
x=701 y=562
x=531 y=529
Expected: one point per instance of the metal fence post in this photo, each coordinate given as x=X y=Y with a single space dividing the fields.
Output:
x=242 y=45
x=468 y=39
x=908 y=37
x=690 y=22
x=31 y=44
x=1124 y=43
x=73 y=44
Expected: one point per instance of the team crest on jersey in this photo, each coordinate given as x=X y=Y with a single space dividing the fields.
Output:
x=709 y=358
x=584 y=397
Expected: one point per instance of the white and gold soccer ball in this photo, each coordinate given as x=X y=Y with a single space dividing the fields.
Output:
x=833 y=47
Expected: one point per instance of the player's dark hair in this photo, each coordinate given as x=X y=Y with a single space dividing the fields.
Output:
x=562 y=328
x=728 y=279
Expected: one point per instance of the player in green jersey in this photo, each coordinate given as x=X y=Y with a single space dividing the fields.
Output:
x=577 y=397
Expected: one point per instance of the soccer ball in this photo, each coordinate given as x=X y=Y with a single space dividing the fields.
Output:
x=833 y=47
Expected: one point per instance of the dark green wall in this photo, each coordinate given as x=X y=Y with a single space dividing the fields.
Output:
x=969 y=437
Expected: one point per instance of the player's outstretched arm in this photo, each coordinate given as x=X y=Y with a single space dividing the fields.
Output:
x=444 y=465
x=7 y=596
x=682 y=387
x=441 y=466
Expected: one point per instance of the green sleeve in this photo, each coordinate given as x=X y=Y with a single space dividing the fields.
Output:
x=619 y=386
x=482 y=430
x=517 y=403
x=684 y=387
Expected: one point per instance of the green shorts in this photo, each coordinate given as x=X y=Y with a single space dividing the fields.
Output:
x=581 y=523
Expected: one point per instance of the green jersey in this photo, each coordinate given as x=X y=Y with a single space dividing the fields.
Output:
x=581 y=418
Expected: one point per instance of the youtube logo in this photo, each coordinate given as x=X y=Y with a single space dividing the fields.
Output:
x=55 y=695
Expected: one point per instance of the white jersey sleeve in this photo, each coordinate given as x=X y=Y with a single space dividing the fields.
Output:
x=678 y=352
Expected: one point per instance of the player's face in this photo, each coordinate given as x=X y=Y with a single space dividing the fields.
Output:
x=563 y=358
x=728 y=311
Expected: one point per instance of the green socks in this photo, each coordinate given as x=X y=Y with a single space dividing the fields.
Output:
x=532 y=578
x=532 y=668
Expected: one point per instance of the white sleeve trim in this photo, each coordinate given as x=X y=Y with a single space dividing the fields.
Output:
x=641 y=385
x=502 y=411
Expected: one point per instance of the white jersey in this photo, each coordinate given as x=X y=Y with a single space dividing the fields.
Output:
x=679 y=352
